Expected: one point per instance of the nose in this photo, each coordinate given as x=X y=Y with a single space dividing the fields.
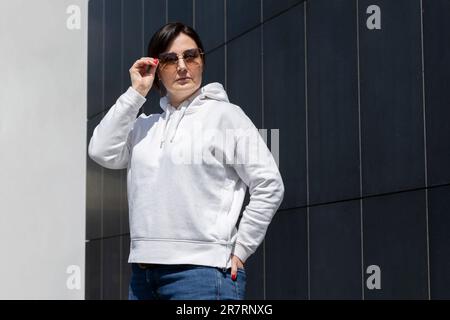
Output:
x=181 y=65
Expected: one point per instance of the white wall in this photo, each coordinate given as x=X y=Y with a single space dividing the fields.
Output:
x=43 y=71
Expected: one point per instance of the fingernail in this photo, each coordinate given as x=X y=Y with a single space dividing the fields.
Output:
x=233 y=277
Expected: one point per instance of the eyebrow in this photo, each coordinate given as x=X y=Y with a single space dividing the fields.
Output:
x=181 y=51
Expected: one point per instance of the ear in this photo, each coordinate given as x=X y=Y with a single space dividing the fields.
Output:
x=159 y=77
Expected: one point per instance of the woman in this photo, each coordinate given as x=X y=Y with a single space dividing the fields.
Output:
x=187 y=173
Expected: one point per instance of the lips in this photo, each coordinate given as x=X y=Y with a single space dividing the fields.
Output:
x=182 y=79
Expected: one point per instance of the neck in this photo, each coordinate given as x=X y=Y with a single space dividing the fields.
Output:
x=175 y=101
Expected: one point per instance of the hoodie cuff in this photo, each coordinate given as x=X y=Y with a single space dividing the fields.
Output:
x=134 y=97
x=241 y=252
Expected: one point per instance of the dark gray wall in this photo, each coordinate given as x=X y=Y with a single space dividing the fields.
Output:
x=364 y=148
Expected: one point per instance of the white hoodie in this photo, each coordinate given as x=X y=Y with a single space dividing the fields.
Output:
x=187 y=174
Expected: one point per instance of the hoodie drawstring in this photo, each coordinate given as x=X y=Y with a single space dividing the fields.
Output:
x=168 y=114
x=163 y=137
x=183 y=108
x=178 y=122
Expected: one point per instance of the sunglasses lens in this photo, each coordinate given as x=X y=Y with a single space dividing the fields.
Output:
x=190 y=57
x=191 y=54
x=168 y=58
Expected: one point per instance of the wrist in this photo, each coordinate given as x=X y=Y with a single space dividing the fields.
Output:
x=241 y=252
x=141 y=91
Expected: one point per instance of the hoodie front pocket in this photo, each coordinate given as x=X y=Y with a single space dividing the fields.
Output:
x=222 y=222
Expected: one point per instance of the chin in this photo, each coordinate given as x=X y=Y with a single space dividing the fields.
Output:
x=185 y=86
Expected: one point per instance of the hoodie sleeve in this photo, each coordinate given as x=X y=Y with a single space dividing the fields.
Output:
x=256 y=166
x=109 y=145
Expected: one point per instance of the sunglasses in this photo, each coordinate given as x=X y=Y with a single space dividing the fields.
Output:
x=190 y=57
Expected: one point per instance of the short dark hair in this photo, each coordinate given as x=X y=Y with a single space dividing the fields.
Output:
x=162 y=38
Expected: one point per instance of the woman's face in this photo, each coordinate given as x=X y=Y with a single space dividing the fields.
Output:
x=184 y=77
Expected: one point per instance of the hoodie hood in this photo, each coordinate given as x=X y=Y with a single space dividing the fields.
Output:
x=211 y=91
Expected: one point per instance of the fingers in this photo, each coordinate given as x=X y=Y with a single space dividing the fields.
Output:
x=142 y=74
x=235 y=263
x=144 y=63
x=151 y=68
x=234 y=270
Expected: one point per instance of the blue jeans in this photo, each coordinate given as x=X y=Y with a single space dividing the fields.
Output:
x=185 y=282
